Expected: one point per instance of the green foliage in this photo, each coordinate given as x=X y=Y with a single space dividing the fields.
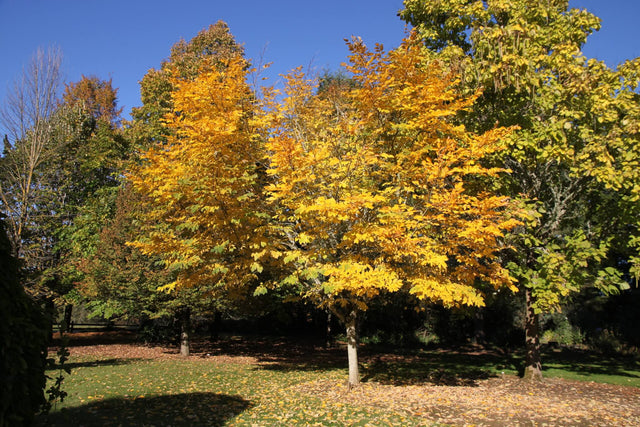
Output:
x=558 y=330
x=574 y=155
x=118 y=280
x=571 y=156
x=24 y=334
x=55 y=392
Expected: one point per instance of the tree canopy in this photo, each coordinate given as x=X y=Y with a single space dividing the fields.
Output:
x=577 y=126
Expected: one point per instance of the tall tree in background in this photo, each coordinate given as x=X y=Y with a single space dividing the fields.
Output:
x=89 y=171
x=571 y=157
x=96 y=97
x=190 y=67
x=202 y=185
x=376 y=189
x=212 y=46
x=29 y=116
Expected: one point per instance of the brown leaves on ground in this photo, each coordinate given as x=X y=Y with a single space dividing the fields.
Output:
x=124 y=345
x=506 y=400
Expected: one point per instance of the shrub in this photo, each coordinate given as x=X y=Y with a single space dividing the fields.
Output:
x=24 y=334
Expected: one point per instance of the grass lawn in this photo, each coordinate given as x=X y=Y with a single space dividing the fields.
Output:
x=274 y=383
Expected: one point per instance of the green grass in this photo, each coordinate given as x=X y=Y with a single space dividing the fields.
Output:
x=195 y=391
x=588 y=366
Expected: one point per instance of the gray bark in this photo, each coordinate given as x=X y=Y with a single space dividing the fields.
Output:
x=185 y=332
x=533 y=363
x=352 y=350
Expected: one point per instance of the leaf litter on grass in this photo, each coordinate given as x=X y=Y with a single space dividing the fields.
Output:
x=505 y=400
x=244 y=385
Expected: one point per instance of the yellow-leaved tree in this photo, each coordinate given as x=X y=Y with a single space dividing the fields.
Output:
x=203 y=184
x=377 y=191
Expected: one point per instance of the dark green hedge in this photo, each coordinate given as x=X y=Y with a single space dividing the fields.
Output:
x=24 y=334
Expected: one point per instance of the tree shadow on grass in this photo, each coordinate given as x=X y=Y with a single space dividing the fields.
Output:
x=96 y=363
x=190 y=409
x=589 y=363
x=443 y=368
x=278 y=354
x=451 y=367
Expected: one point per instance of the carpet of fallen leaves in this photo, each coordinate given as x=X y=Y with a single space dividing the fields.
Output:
x=494 y=401
x=499 y=401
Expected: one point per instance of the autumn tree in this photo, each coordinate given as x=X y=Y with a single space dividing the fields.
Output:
x=210 y=50
x=211 y=47
x=577 y=139
x=96 y=97
x=203 y=184
x=85 y=168
x=376 y=190
x=91 y=163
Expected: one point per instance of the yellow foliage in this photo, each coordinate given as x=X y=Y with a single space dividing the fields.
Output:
x=377 y=186
x=203 y=183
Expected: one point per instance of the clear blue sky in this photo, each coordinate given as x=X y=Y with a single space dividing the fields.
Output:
x=122 y=39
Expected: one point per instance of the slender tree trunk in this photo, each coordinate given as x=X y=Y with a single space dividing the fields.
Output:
x=68 y=312
x=50 y=310
x=185 y=331
x=478 y=326
x=352 y=350
x=327 y=338
x=214 y=326
x=533 y=367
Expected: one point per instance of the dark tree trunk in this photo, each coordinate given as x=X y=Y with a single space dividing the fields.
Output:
x=214 y=326
x=328 y=339
x=185 y=331
x=533 y=367
x=68 y=311
x=478 y=326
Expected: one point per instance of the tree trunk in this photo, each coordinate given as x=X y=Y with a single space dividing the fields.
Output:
x=185 y=330
x=533 y=367
x=352 y=350
x=68 y=311
x=214 y=326
x=478 y=326
x=327 y=338
x=50 y=310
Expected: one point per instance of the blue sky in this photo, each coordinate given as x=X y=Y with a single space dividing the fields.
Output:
x=122 y=39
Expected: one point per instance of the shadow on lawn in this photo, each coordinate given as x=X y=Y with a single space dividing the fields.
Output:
x=589 y=363
x=444 y=368
x=202 y=409
x=279 y=354
x=81 y=339
x=96 y=363
x=448 y=367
